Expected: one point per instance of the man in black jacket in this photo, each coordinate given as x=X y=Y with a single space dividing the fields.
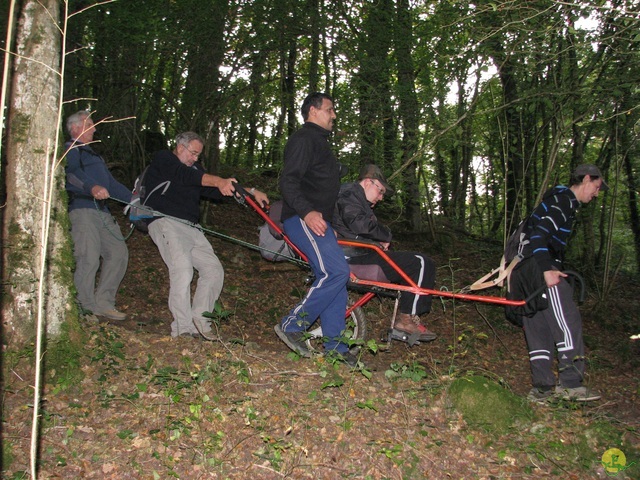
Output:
x=182 y=245
x=309 y=183
x=354 y=219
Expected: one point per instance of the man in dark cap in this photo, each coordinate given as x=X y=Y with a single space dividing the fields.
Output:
x=354 y=219
x=557 y=328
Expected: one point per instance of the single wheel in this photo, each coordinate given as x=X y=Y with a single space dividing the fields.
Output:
x=356 y=330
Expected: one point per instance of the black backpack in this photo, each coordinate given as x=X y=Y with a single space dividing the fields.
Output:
x=525 y=280
x=527 y=283
x=516 y=243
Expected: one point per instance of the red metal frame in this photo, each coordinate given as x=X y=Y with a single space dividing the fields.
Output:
x=411 y=286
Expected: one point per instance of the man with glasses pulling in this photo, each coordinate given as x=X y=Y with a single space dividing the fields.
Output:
x=354 y=219
x=182 y=245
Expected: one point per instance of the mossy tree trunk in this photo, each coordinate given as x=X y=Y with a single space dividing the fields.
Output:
x=32 y=125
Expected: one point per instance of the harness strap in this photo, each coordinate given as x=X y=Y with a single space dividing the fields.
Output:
x=502 y=272
x=164 y=186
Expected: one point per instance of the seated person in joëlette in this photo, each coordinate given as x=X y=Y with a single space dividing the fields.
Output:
x=354 y=219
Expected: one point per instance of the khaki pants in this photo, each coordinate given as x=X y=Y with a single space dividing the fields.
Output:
x=183 y=249
x=96 y=236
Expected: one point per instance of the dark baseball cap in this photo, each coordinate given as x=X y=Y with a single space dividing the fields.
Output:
x=374 y=173
x=592 y=171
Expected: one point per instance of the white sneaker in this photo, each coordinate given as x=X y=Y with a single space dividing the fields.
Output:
x=577 y=394
x=112 y=314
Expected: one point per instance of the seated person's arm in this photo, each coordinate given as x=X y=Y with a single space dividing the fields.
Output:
x=363 y=225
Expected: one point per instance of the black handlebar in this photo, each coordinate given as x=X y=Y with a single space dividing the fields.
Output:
x=242 y=193
x=575 y=277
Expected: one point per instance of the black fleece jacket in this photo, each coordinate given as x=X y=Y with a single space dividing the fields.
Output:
x=182 y=198
x=310 y=179
x=354 y=217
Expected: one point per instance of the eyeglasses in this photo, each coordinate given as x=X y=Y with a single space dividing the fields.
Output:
x=380 y=188
x=194 y=153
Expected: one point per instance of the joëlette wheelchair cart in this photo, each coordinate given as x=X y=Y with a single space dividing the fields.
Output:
x=366 y=282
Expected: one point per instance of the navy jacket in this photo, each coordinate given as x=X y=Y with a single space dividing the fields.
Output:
x=84 y=170
x=549 y=227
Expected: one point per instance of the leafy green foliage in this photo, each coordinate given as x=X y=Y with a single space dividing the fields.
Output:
x=414 y=371
x=487 y=105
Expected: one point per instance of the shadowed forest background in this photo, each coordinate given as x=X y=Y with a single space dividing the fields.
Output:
x=472 y=110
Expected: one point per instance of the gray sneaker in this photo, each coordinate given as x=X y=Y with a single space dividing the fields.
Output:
x=111 y=314
x=90 y=317
x=294 y=340
x=577 y=394
x=197 y=336
x=540 y=396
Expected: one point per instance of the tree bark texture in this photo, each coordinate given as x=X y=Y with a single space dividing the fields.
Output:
x=408 y=110
x=32 y=123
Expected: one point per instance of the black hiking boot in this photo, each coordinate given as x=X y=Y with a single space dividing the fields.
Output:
x=347 y=357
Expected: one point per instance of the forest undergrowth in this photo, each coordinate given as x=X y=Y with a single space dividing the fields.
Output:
x=242 y=406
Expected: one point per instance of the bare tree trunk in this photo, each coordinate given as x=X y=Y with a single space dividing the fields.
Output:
x=32 y=125
x=372 y=83
x=316 y=30
x=408 y=112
